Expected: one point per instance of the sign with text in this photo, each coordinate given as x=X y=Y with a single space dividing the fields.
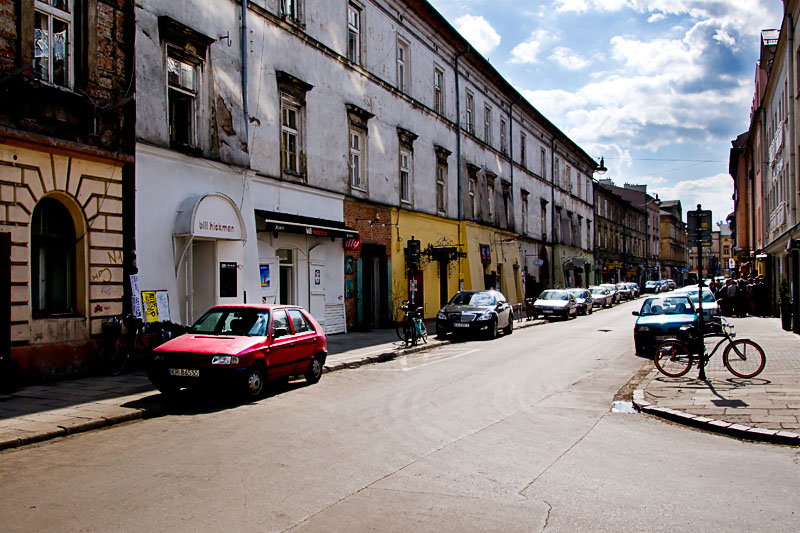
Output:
x=698 y=227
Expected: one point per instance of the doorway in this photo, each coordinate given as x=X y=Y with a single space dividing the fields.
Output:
x=287 y=293
x=204 y=290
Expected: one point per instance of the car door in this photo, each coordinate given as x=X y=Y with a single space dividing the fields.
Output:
x=282 y=350
x=503 y=311
x=305 y=338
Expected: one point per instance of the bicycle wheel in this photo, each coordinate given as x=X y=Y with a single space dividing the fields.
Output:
x=744 y=358
x=114 y=357
x=423 y=332
x=672 y=358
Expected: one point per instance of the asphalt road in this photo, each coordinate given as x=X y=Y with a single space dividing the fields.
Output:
x=512 y=434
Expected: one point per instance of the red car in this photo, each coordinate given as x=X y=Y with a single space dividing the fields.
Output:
x=244 y=346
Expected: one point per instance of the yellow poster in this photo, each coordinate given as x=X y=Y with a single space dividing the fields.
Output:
x=150 y=307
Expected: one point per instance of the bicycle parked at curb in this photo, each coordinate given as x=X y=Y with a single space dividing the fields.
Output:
x=141 y=338
x=743 y=358
x=411 y=328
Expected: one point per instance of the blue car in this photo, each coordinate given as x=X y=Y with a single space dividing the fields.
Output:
x=659 y=319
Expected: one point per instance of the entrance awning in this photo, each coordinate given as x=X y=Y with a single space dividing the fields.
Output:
x=317 y=227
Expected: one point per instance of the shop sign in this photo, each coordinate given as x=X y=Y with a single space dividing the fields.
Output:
x=486 y=253
x=216 y=218
x=352 y=245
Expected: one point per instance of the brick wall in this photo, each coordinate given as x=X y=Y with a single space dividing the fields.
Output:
x=358 y=216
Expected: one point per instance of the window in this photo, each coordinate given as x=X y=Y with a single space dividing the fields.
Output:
x=524 y=214
x=487 y=125
x=506 y=205
x=556 y=176
x=52 y=42
x=438 y=91
x=354 y=33
x=441 y=189
x=503 y=143
x=299 y=322
x=291 y=9
x=290 y=133
x=543 y=163
x=490 y=193
x=473 y=182
x=543 y=221
x=53 y=263
x=357 y=178
x=523 y=157
x=405 y=176
x=182 y=98
x=557 y=228
x=470 y=122
x=568 y=179
x=402 y=66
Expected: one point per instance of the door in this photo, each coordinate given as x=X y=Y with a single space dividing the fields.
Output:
x=305 y=339
x=444 y=290
x=204 y=283
x=282 y=356
x=286 y=277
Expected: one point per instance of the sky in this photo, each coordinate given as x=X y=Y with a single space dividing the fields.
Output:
x=659 y=88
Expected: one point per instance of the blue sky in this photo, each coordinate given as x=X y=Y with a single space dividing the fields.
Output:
x=657 y=87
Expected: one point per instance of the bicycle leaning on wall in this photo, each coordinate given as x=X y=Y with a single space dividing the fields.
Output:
x=411 y=328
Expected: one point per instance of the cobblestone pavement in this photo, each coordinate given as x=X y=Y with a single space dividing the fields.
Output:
x=766 y=407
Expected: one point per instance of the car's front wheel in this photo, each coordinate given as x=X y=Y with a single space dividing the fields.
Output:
x=493 y=329
x=255 y=382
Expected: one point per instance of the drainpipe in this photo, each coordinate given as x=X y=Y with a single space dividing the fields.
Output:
x=511 y=142
x=244 y=76
x=790 y=124
x=553 y=211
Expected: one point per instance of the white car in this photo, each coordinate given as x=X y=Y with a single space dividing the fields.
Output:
x=601 y=297
x=710 y=306
x=613 y=290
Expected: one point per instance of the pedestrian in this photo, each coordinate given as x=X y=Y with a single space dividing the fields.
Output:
x=729 y=300
x=741 y=298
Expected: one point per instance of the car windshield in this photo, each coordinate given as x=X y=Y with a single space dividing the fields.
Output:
x=599 y=290
x=577 y=293
x=236 y=322
x=708 y=296
x=554 y=295
x=667 y=306
x=473 y=298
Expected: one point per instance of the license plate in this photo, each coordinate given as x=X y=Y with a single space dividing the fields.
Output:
x=460 y=325
x=661 y=338
x=547 y=311
x=185 y=372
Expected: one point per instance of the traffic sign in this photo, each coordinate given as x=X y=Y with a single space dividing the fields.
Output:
x=698 y=226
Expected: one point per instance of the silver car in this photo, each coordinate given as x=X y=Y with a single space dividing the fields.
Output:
x=601 y=297
x=584 y=299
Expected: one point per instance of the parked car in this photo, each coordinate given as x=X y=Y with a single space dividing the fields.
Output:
x=583 y=297
x=710 y=306
x=244 y=346
x=612 y=288
x=671 y=284
x=634 y=287
x=554 y=303
x=476 y=312
x=601 y=297
x=664 y=286
x=652 y=287
x=624 y=291
x=659 y=319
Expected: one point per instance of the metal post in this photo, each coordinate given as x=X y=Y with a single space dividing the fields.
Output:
x=702 y=375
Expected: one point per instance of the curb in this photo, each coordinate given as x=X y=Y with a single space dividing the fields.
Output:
x=773 y=436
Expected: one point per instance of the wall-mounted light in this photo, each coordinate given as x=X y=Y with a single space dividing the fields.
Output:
x=601 y=169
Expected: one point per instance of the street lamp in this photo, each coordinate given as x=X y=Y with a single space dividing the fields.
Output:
x=602 y=168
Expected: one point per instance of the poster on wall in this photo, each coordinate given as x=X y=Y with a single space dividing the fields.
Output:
x=317 y=277
x=156 y=306
x=136 y=301
x=348 y=264
x=264 y=276
x=348 y=288
x=227 y=280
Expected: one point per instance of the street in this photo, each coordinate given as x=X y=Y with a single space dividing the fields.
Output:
x=514 y=434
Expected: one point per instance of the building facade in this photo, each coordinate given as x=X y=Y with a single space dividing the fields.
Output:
x=66 y=154
x=674 y=253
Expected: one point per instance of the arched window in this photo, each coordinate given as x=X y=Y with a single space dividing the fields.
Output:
x=52 y=259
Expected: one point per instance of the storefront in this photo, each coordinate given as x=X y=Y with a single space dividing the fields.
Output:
x=574 y=267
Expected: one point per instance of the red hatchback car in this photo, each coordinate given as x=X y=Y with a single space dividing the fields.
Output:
x=243 y=346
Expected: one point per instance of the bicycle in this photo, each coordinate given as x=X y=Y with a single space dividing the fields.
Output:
x=116 y=353
x=743 y=358
x=411 y=328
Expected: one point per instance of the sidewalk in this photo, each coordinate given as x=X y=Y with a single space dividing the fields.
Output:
x=42 y=412
x=766 y=407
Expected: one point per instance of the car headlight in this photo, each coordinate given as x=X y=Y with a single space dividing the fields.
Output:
x=441 y=316
x=642 y=328
x=225 y=360
x=485 y=316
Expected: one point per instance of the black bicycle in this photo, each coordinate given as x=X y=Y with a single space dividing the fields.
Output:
x=743 y=358
x=411 y=328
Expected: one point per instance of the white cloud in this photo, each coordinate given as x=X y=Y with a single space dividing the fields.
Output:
x=581 y=6
x=479 y=33
x=713 y=192
x=656 y=17
x=568 y=59
x=725 y=38
x=527 y=52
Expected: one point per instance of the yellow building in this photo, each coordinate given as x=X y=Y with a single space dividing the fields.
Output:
x=453 y=255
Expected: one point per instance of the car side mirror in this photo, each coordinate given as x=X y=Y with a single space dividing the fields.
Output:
x=635 y=313
x=281 y=332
